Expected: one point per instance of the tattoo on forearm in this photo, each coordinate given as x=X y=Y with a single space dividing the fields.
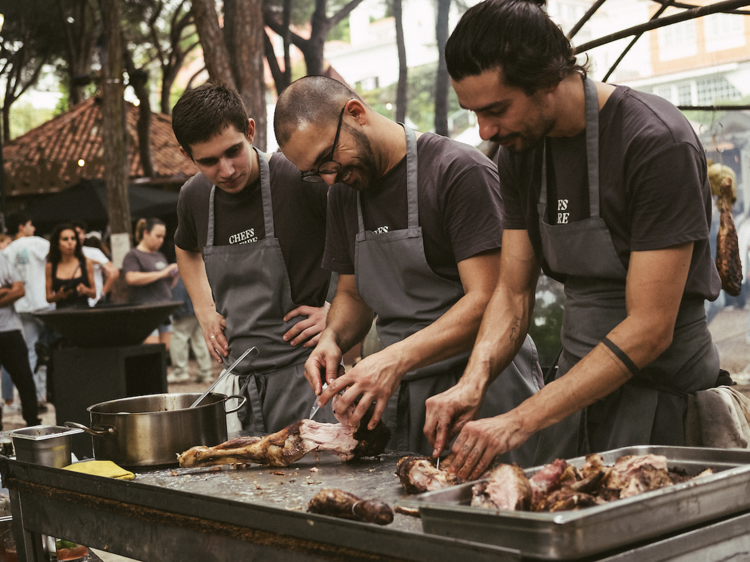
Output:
x=515 y=330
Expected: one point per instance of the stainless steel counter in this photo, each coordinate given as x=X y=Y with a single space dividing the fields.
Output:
x=258 y=513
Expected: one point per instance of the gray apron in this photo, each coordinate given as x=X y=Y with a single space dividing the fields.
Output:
x=395 y=280
x=252 y=292
x=650 y=408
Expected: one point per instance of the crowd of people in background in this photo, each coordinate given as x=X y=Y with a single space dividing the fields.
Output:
x=72 y=268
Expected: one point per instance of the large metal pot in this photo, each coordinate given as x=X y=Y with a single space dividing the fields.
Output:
x=151 y=430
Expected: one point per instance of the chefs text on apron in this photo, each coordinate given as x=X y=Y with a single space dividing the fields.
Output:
x=252 y=292
x=395 y=280
x=650 y=408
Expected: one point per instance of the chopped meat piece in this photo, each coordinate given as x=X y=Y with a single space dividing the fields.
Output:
x=410 y=511
x=594 y=463
x=625 y=467
x=479 y=496
x=546 y=480
x=591 y=483
x=566 y=499
x=338 y=503
x=508 y=488
x=645 y=479
x=418 y=474
x=292 y=443
x=570 y=476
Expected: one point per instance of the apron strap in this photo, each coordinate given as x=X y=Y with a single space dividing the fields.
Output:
x=592 y=144
x=265 y=189
x=250 y=389
x=592 y=151
x=412 y=194
x=211 y=218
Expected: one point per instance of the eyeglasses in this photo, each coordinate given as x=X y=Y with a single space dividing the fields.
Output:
x=328 y=166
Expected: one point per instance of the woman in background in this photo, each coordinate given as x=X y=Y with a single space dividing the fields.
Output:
x=149 y=276
x=69 y=275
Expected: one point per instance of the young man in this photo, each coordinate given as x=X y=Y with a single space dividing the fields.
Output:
x=414 y=231
x=13 y=354
x=606 y=189
x=105 y=273
x=28 y=255
x=249 y=245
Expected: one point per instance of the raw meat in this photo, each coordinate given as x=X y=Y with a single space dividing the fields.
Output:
x=338 y=503
x=728 y=261
x=292 y=443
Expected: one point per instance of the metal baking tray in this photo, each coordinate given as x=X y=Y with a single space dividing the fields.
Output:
x=591 y=530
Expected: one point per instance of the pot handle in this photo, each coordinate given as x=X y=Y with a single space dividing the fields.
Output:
x=242 y=400
x=100 y=430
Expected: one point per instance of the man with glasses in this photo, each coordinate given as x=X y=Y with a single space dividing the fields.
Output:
x=249 y=245
x=414 y=231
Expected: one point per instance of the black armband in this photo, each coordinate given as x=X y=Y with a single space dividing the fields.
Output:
x=621 y=355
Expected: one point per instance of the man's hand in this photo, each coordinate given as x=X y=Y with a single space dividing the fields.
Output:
x=482 y=440
x=325 y=358
x=448 y=413
x=309 y=329
x=213 y=325
x=374 y=379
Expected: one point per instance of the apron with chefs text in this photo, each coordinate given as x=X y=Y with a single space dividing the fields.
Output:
x=650 y=408
x=395 y=280
x=252 y=292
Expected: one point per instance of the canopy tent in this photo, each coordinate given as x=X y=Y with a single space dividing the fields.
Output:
x=87 y=200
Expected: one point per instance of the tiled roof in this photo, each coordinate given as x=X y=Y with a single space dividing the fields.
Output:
x=48 y=158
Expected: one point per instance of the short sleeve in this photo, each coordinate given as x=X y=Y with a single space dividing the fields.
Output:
x=186 y=235
x=513 y=216
x=130 y=262
x=336 y=256
x=667 y=202
x=473 y=214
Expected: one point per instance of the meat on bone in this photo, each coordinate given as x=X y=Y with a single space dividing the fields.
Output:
x=338 y=503
x=292 y=443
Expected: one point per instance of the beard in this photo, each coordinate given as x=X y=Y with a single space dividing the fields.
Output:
x=366 y=168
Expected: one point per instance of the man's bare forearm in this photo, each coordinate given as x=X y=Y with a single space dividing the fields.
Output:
x=349 y=318
x=193 y=273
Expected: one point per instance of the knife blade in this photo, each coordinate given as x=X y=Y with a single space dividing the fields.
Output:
x=315 y=408
x=224 y=374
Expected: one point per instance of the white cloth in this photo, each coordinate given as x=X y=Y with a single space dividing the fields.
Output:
x=229 y=386
x=99 y=259
x=29 y=256
x=9 y=319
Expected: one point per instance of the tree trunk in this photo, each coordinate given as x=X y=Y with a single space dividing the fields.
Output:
x=403 y=71
x=113 y=131
x=215 y=53
x=273 y=64
x=247 y=53
x=321 y=25
x=442 y=81
x=138 y=80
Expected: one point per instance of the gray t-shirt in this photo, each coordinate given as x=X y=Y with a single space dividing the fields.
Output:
x=9 y=319
x=460 y=208
x=158 y=291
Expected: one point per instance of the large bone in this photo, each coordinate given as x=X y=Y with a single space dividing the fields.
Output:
x=292 y=443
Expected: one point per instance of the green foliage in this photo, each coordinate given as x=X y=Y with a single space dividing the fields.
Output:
x=546 y=323
x=340 y=32
x=420 y=96
x=24 y=117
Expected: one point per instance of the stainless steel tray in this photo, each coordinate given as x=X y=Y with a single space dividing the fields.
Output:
x=574 y=534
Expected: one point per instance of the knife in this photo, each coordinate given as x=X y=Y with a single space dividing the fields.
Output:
x=315 y=408
x=224 y=374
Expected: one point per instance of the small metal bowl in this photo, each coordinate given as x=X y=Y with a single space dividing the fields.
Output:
x=48 y=445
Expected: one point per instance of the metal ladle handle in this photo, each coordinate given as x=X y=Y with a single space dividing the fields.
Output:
x=223 y=375
x=96 y=430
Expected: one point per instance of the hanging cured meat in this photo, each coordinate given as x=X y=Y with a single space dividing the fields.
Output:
x=728 y=260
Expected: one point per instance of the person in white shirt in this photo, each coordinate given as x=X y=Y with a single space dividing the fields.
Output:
x=28 y=255
x=105 y=272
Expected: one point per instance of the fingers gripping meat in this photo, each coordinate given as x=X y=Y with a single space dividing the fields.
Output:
x=338 y=503
x=292 y=443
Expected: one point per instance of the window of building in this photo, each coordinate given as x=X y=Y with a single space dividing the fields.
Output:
x=724 y=31
x=684 y=95
x=664 y=92
x=716 y=89
x=367 y=84
x=677 y=40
